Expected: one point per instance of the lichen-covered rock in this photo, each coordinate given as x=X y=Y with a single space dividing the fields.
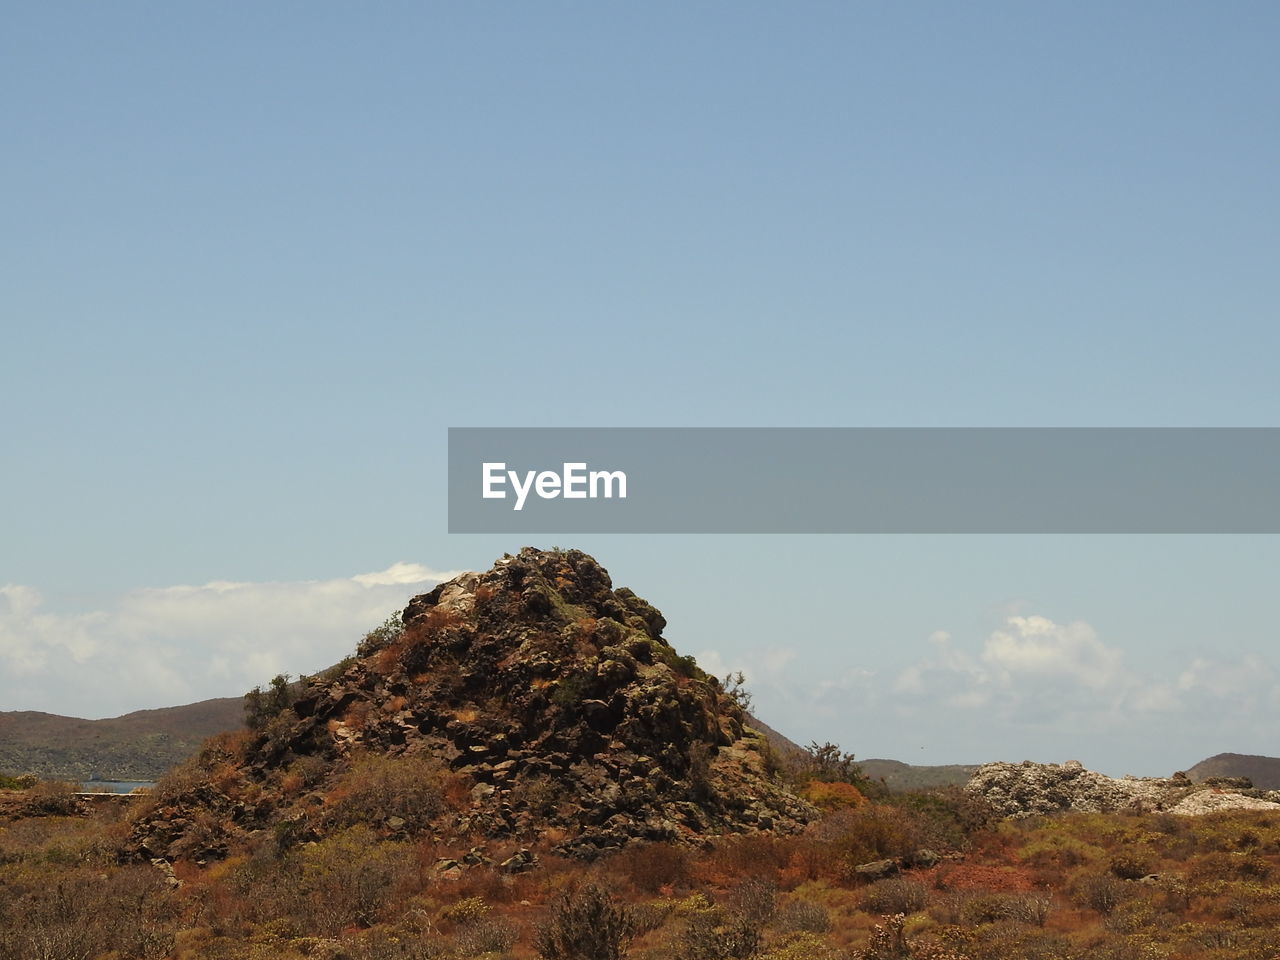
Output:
x=1211 y=801
x=1027 y=789
x=547 y=701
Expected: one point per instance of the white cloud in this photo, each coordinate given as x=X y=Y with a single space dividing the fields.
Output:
x=1038 y=646
x=1035 y=671
x=157 y=646
x=713 y=663
x=1243 y=685
x=401 y=573
x=1027 y=687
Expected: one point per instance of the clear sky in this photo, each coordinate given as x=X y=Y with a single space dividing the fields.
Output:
x=258 y=257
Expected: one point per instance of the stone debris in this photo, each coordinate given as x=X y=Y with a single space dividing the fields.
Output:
x=1211 y=801
x=1030 y=789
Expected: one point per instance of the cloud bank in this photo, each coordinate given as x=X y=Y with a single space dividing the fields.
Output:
x=1031 y=688
x=160 y=646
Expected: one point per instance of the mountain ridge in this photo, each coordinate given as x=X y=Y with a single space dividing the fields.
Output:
x=140 y=745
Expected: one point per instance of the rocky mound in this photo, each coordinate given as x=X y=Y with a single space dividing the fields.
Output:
x=1029 y=789
x=531 y=701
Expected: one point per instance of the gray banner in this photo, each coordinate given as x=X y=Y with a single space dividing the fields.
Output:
x=864 y=480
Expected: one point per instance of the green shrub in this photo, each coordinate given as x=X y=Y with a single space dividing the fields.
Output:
x=262 y=706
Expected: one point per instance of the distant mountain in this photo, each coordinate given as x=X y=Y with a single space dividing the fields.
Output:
x=137 y=746
x=905 y=776
x=894 y=774
x=1263 y=771
x=780 y=743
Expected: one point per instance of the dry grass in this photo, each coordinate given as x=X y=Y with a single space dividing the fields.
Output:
x=1070 y=887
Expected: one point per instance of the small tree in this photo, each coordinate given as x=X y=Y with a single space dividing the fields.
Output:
x=586 y=924
x=735 y=688
x=261 y=705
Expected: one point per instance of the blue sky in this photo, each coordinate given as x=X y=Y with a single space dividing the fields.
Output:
x=260 y=257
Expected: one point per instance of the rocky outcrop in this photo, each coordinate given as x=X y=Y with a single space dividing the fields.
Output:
x=539 y=699
x=1029 y=789
x=1213 y=801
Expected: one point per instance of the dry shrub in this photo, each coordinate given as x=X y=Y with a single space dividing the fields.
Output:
x=585 y=924
x=802 y=916
x=755 y=900
x=1169 y=824
x=871 y=832
x=438 y=619
x=538 y=794
x=1100 y=891
x=484 y=883
x=484 y=936
x=948 y=817
x=78 y=914
x=303 y=773
x=757 y=855
x=388 y=658
x=1230 y=866
x=894 y=895
x=1006 y=939
x=810 y=859
x=50 y=798
x=832 y=796
x=227 y=746
x=1130 y=866
x=394 y=944
x=650 y=916
x=465 y=910
x=225 y=777
x=1133 y=915
x=379 y=787
x=716 y=936
x=357 y=715
x=651 y=867
x=346 y=879
x=1025 y=908
x=1059 y=852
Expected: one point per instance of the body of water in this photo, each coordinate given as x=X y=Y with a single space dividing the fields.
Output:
x=115 y=786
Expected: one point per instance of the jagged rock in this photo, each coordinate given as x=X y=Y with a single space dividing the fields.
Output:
x=170 y=878
x=923 y=858
x=550 y=698
x=523 y=860
x=447 y=869
x=878 y=869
